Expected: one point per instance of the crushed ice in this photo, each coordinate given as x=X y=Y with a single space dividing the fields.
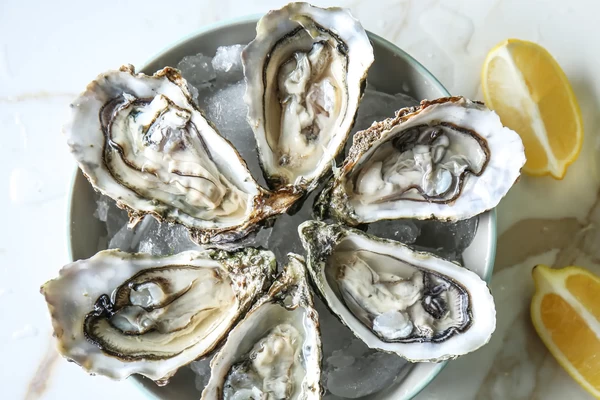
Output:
x=227 y=63
x=350 y=368
x=356 y=371
x=197 y=70
x=202 y=370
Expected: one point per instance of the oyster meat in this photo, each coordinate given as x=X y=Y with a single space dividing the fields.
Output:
x=448 y=159
x=305 y=73
x=118 y=314
x=141 y=141
x=420 y=306
x=275 y=351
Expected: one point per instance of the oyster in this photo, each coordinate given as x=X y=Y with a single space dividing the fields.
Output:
x=448 y=159
x=140 y=140
x=417 y=305
x=118 y=314
x=275 y=351
x=305 y=73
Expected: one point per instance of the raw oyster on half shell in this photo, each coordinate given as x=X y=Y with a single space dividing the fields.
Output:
x=305 y=73
x=275 y=351
x=118 y=314
x=140 y=140
x=448 y=159
x=395 y=299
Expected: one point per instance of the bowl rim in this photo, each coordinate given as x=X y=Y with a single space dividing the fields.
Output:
x=253 y=18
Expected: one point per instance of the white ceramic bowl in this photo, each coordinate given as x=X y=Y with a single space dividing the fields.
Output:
x=393 y=71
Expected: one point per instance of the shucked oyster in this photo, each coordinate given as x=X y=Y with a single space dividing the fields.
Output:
x=275 y=351
x=118 y=314
x=415 y=304
x=448 y=159
x=305 y=73
x=140 y=140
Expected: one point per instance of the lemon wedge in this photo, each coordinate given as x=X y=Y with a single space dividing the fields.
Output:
x=565 y=312
x=523 y=83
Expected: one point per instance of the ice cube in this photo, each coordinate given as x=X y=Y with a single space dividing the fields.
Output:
x=197 y=70
x=128 y=239
x=284 y=236
x=180 y=239
x=116 y=218
x=121 y=239
x=402 y=100
x=257 y=238
x=357 y=348
x=227 y=63
x=340 y=360
x=194 y=91
x=350 y=368
x=102 y=206
x=202 y=370
x=108 y=212
x=149 y=236
x=447 y=239
x=377 y=106
x=402 y=230
x=163 y=238
x=335 y=336
x=141 y=229
x=370 y=373
x=147 y=246
x=225 y=107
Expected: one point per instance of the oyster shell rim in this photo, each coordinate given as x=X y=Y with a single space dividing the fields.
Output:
x=341 y=231
x=256 y=113
x=266 y=204
x=230 y=262
x=334 y=201
x=292 y=279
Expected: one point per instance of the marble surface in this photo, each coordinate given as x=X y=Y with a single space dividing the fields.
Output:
x=50 y=50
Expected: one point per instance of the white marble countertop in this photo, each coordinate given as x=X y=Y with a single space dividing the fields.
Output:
x=49 y=51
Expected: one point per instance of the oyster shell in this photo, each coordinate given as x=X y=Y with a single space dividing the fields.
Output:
x=305 y=73
x=141 y=141
x=118 y=314
x=414 y=304
x=448 y=159
x=275 y=351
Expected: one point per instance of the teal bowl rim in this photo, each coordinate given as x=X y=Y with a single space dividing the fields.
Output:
x=375 y=38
